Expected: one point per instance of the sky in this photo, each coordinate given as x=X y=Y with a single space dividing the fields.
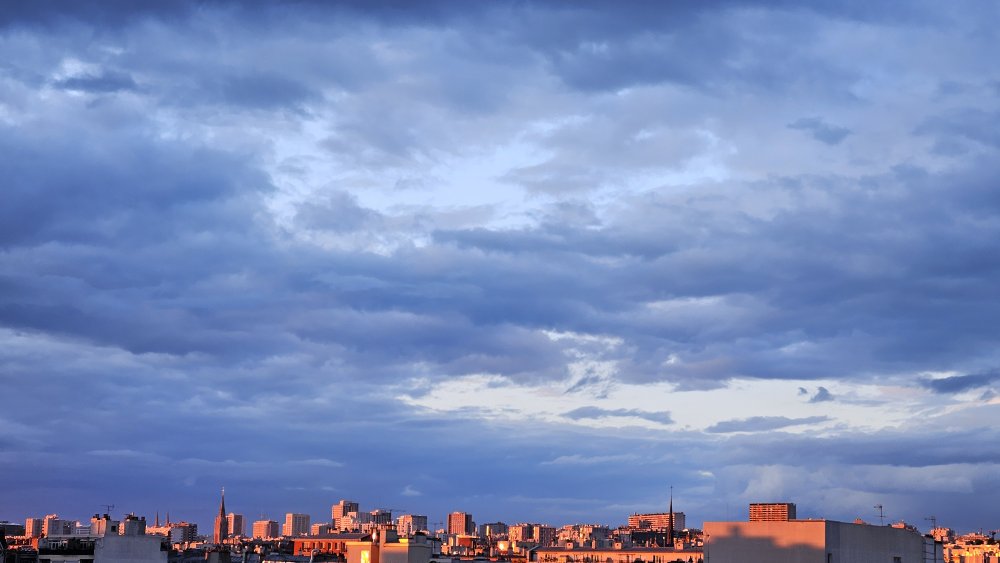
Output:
x=536 y=261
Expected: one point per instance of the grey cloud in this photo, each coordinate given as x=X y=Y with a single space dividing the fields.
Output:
x=822 y=395
x=106 y=82
x=763 y=423
x=821 y=130
x=960 y=383
x=662 y=417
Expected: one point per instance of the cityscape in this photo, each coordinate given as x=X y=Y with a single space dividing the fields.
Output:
x=525 y=281
x=772 y=532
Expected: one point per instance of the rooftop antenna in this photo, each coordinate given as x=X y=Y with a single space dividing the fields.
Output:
x=881 y=515
x=108 y=508
x=933 y=523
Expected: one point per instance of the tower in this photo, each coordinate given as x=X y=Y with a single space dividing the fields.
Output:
x=221 y=522
x=670 y=529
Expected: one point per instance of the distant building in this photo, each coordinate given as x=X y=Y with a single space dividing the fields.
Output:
x=103 y=525
x=344 y=514
x=295 y=525
x=544 y=535
x=236 y=525
x=657 y=521
x=688 y=554
x=129 y=546
x=816 y=541
x=33 y=527
x=52 y=526
x=521 y=532
x=183 y=532
x=493 y=530
x=320 y=529
x=265 y=529
x=460 y=523
x=772 y=511
x=409 y=524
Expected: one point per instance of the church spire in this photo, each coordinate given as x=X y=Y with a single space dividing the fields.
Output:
x=221 y=522
x=670 y=532
x=157 y=523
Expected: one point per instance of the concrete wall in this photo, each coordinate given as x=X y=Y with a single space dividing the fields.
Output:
x=812 y=541
x=862 y=543
x=766 y=542
x=129 y=549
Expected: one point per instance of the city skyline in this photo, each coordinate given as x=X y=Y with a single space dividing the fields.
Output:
x=520 y=259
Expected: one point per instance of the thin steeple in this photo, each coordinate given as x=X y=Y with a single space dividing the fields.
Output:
x=222 y=504
x=670 y=532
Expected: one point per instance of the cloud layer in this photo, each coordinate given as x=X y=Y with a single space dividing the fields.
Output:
x=474 y=257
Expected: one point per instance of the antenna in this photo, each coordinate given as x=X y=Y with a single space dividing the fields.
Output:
x=881 y=515
x=933 y=523
x=108 y=508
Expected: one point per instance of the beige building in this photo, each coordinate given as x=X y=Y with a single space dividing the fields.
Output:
x=816 y=541
x=386 y=547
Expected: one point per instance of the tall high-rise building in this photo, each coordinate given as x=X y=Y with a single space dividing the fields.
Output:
x=461 y=523
x=295 y=525
x=342 y=510
x=409 y=524
x=33 y=527
x=221 y=528
x=236 y=526
x=772 y=511
x=265 y=529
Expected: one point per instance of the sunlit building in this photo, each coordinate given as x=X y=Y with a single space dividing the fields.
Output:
x=657 y=521
x=236 y=525
x=772 y=511
x=295 y=525
x=409 y=524
x=266 y=529
x=460 y=523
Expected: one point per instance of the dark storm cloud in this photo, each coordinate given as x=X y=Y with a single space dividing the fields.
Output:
x=960 y=383
x=661 y=417
x=763 y=423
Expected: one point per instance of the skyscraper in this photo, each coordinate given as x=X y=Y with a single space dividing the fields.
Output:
x=295 y=525
x=461 y=523
x=221 y=529
x=235 y=522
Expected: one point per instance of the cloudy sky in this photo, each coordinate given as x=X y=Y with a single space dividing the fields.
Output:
x=536 y=261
